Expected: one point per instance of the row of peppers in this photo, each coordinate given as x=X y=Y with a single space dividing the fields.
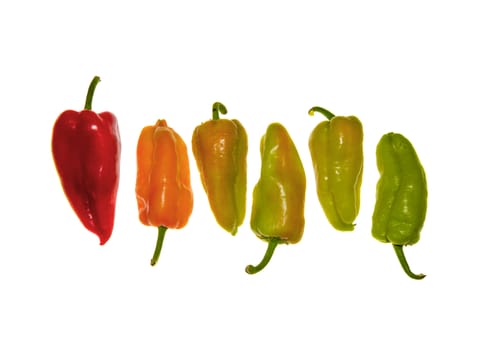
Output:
x=86 y=150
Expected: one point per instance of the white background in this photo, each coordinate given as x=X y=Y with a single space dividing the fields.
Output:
x=427 y=69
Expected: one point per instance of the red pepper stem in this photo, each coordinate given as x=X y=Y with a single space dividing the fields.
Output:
x=272 y=244
x=403 y=261
x=160 y=241
x=90 y=92
x=325 y=112
x=217 y=108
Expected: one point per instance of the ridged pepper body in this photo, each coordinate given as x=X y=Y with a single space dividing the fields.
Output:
x=336 y=148
x=220 y=150
x=86 y=150
x=401 y=195
x=163 y=187
x=278 y=199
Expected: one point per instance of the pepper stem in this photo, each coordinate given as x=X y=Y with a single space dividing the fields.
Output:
x=403 y=261
x=272 y=244
x=160 y=241
x=217 y=108
x=325 y=112
x=90 y=92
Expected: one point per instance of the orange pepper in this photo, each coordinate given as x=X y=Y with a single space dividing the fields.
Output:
x=163 y=188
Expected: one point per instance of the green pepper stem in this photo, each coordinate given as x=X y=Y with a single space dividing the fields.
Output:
x=403 y=261
x=90 y=92
x=272 y=244
x=217 y=108
x=325 y=112
x=158 y=248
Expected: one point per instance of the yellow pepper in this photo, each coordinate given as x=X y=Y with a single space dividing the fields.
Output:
x=220 y=150
x=337 y=155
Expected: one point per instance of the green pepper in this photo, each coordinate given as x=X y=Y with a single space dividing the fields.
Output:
x=278 y=199
x=220 y=150
x=337 y=154
x=401 y=196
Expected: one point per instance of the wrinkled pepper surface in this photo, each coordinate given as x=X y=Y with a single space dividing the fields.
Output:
x=220 y=150
x=401 y=196
x=163 y=186
x=86 y=150
x=336 y=148
x=278 y=199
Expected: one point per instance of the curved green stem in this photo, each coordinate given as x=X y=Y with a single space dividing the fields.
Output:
x=217 y=108
x=403 y=261
x=90 y=92
x=272 y=244
x=325 y=112
x=160 y=241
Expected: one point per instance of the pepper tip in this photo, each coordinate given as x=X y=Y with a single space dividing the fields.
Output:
x=103 y=239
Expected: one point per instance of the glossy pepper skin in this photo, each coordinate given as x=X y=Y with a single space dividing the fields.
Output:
x=86 y=150
x=278 y=199
x=163 y=187
x=401 y=196
x=220 y=150
x=336 y=148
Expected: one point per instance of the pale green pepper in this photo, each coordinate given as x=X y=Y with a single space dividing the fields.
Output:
x=278 y=199
x=401 y=196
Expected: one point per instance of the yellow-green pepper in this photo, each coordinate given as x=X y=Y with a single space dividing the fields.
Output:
x=278 y=199
x=220 y=150
x=401 y=196
x=336 y=148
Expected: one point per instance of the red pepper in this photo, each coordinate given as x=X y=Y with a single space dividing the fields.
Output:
x=86 y=149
